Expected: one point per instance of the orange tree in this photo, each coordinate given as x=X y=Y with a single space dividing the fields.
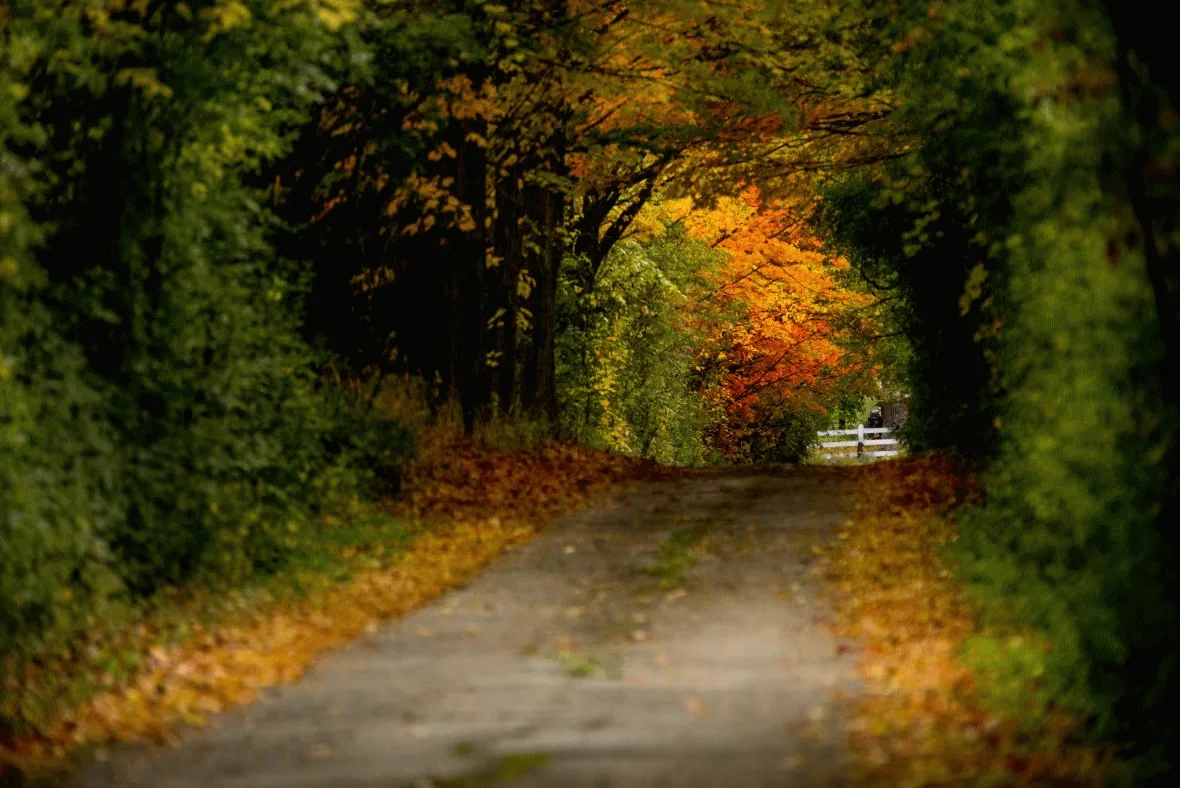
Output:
x=715 y=332
x=788 y=355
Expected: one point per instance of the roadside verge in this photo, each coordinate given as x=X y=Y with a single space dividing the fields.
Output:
x=458 y=513
x=925 y=719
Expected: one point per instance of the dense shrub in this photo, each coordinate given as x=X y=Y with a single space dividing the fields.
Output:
x=159 y=418
x=627 y=352
x=1009 y=236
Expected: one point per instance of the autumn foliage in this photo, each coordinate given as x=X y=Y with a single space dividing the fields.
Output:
x=926 y=719
x=464 y=503
x=779 y=347
x=716 y=331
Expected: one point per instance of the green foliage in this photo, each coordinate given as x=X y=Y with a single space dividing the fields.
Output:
x=676 y=556
x=627 y=352
x=159 y=418
x=1036 y=344
x=792 y=435
x=367 y=439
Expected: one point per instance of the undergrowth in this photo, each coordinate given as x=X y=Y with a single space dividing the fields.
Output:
x=195 y=649
x=941 y=709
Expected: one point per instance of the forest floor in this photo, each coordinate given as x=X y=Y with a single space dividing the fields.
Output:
x=672 y=636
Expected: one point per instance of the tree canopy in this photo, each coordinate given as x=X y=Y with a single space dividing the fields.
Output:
x=690 y=232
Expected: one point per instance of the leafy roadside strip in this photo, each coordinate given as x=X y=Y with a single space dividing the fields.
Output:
x=926 y=720
x=477 y=501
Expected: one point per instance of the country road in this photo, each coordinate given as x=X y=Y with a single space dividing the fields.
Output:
x=672 y=637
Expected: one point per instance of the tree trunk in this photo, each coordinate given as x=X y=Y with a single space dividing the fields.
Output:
x=465 y=295
x=502 y=279
x=547 y=208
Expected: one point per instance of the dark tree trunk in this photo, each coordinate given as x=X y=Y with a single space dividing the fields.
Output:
x=1151 y=183
x=1150 y=178
x=547 y=208
x=467 y=252
x=503 y=303
x=588 y=246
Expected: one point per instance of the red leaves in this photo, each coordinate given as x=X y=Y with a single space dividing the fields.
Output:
x=464 y=480
x=778 y=346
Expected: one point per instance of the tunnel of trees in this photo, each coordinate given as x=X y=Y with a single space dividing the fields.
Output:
x=693 y=232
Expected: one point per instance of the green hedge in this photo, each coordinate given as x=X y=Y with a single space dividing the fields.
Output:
x=159 y=416
x=1007 y=236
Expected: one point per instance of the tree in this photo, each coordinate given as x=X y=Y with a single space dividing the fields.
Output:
x=785 y=349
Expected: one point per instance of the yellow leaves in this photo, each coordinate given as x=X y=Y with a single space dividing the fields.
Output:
x=225 y=15
x=432 y=196
x=461 y=99
x=8 y=268
x=525 y=282
x=335 y=14
x=145 y=79
x=332 y=14
x=444 y=149
x=18 y=90
x=399 y=201
x=497 y=319
x=923 y=722
x=973 y=289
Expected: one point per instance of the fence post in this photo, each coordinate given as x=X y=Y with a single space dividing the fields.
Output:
x=860 y=441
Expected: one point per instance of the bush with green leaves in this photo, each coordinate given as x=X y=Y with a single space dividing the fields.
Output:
x=159 y=416
x=627 y=351
x=1008 y=236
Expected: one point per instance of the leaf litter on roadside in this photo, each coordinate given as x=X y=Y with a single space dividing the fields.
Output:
x=472 y=500
x=923 y=720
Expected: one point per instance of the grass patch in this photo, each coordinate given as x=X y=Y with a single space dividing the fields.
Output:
x=676 y=556
x=507 y=767
x=517 y=764
x=581 y=666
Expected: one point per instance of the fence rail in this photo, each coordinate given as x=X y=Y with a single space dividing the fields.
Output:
x=859 y=444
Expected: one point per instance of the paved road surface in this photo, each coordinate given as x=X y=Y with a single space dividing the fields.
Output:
x=570 y=664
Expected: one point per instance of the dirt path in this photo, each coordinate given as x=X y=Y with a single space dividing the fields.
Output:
x=597 y=656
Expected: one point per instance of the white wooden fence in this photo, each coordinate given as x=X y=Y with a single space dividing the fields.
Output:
x=859 y=447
